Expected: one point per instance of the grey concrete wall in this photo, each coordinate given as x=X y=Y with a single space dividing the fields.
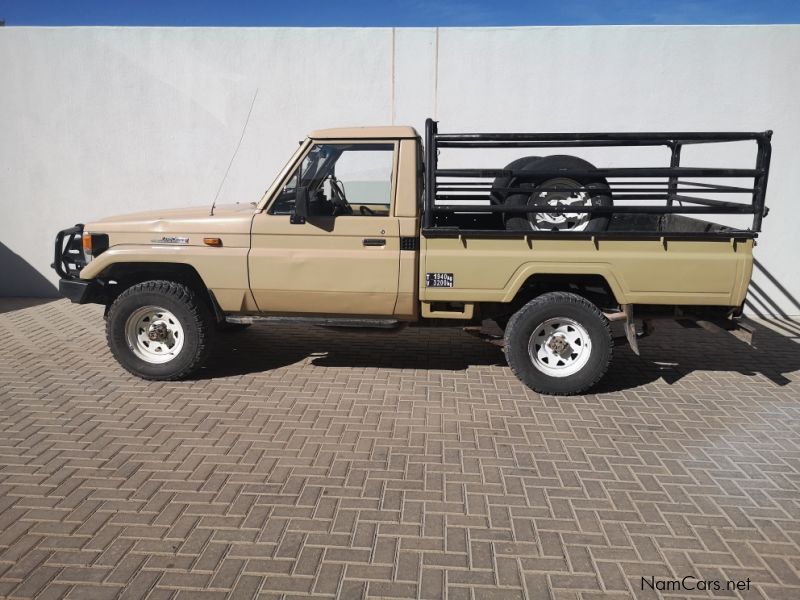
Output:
x=98 y=121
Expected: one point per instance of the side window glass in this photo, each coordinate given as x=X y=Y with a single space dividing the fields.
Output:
x=342 y=180
x=364 y=175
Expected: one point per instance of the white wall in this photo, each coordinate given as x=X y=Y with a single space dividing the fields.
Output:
x=98 y=121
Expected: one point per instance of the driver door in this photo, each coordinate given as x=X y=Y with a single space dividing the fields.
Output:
x=344 y=260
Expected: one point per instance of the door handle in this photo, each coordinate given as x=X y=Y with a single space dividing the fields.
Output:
x=373 y=242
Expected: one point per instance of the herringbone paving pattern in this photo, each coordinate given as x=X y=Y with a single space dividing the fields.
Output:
x=310 y=463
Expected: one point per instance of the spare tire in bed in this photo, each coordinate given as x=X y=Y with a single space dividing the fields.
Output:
x=499 y=194
x=561 y=191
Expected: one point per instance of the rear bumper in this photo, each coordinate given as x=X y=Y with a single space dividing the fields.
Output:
x=79 y=291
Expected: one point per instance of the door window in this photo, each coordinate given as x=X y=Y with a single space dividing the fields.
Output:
x=342 y=180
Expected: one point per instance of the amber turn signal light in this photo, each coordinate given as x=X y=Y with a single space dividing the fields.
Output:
x=87 y=243
x=216 y=242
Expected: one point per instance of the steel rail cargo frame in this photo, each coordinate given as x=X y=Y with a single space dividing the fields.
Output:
x=670 y=192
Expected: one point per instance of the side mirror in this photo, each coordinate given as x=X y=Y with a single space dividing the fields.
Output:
x=300 y=211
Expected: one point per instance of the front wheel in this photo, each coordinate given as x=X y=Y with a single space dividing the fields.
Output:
x=160 y=330
x=559 y=343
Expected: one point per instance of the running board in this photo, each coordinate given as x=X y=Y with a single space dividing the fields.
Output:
x=318 y=321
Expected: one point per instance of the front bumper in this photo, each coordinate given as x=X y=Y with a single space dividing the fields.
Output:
x=80 y=291
x=68 y=261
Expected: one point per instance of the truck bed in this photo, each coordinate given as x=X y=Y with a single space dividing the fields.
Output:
x=692 y=271
x=652 y=250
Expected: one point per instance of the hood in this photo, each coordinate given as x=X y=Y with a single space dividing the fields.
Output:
x=227 y=218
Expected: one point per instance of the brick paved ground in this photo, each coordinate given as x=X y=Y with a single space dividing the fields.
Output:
x=309 y=463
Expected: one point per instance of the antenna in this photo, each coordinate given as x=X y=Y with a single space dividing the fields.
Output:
x=235 y=152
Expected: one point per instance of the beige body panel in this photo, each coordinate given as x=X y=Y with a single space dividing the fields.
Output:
x=638 y=271
x=388 y=132
x=408 y=201
x=149 y=237
x=323 y=267
x=223 y=270
x=195 y=222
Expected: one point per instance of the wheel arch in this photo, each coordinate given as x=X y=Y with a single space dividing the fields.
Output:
x=120 y=276
x=533 y=280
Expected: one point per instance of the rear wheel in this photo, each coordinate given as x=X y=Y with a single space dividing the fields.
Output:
x=559 y=343
x=160 y=330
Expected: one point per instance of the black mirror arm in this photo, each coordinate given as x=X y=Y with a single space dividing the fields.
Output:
x=300 y=211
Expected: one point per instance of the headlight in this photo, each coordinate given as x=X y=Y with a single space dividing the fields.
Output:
x=94 y=244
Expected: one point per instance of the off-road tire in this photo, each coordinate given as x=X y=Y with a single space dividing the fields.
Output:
x=554 y=305
x=600 y=194
x=498 y=193
x=193 y=314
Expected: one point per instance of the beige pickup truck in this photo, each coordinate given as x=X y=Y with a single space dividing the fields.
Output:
x=364 y=228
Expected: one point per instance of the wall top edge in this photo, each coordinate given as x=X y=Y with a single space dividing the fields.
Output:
x=12 y=27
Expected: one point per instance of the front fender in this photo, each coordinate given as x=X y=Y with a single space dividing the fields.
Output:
x=223 y=270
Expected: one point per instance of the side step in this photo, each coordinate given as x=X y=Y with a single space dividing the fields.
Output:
x=318 y=321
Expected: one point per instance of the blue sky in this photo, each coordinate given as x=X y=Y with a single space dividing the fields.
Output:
x=396 y=13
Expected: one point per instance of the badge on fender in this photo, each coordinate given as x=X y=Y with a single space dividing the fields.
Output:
x=171 y=240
